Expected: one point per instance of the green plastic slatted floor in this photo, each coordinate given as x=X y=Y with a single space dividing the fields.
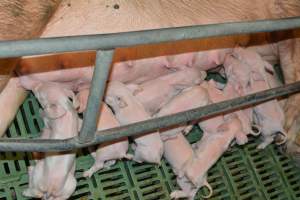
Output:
x=242 y=173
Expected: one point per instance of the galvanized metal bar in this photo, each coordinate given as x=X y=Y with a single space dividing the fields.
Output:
x=114 y=40
x=100 y=75
x=43 y=145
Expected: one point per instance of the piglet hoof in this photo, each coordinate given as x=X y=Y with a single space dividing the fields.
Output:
x=87 y=174
x=262 y=146
x=135 y=159
x=178 y=194
x=241 y=139
x=128 y=156
x=92 y=170
x=29 y=192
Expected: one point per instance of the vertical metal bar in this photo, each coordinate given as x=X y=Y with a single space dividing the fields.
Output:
x=100 y=75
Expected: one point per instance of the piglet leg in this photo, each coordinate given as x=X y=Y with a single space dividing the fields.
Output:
x=187 y=189
x=69 y=187
x=97 y=166
x=35 y=174
x=178 y=194
x=266 y=142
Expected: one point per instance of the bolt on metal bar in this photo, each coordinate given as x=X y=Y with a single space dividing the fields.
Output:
x=100 y=75
x=46 y=145
x=114 y=40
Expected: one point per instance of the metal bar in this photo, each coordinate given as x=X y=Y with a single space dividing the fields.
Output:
x=43 y=145
x=114 y=40
x=100 y=75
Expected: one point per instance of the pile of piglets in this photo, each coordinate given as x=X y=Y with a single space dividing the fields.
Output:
x=144 y=89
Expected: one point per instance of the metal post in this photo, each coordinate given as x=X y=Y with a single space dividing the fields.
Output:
x=100 y=75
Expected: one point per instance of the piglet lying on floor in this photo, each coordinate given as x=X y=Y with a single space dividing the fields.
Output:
x=53 y=176
x=269 y=116
x=247 y=73
x=206 y=153
x=181 y=103
x=211 y=125
x=177 y=150
x=141 y=70
x=107 y=153
x=154 y=94
x=127 y=109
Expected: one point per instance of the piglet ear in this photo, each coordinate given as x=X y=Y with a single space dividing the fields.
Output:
x=54 y=111
x=269 y=68
x=71 y=95
x=116 y=101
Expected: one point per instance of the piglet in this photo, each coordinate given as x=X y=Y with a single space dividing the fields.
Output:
x=215 y=95
x=207 y=151
x=139 y=71
x=245 y=115
x=269 y=52
x=189 y=98
x=45 y=180
x=269 y=116
x=210 y=59
x=154 y=94
x=211 y=125
x=11 y=98
x=82 y=97
x=238 y=74
x=107 y=153
x=177 y=152
x=256 y=64
x=128 y=109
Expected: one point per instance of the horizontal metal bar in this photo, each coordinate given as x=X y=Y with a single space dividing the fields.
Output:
x=100 y=75
x=114 y=40
x=44 y=145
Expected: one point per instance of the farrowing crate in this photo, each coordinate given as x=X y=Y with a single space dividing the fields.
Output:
x=242 y=173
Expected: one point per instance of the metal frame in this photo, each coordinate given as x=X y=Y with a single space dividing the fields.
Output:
x=105 y=45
